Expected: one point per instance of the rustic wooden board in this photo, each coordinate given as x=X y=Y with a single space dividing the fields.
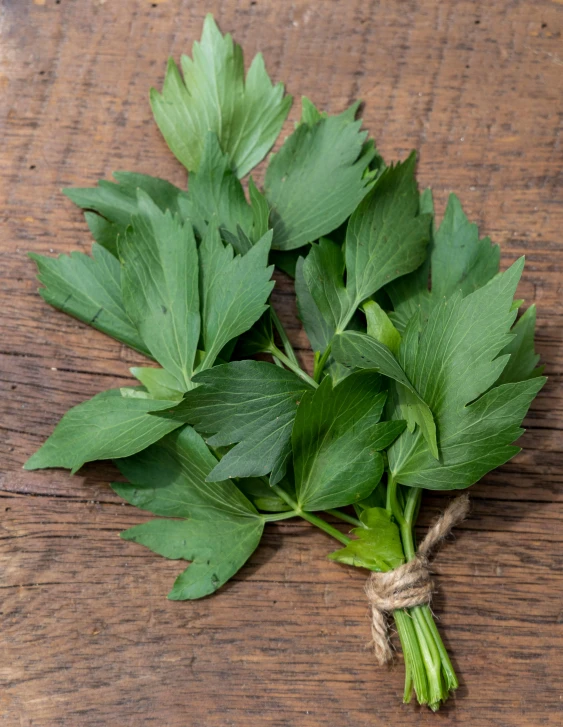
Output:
x=87 y=637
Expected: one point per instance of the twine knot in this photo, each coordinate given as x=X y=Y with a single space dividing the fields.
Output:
x=410 y=584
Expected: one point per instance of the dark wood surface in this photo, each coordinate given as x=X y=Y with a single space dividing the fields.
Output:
x=87 y=636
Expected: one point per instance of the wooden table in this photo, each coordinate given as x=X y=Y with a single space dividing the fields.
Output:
x=87 y=636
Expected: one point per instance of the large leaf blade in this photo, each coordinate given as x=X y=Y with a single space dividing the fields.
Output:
x=251 y=404
x=386 y=236
x=459 y=261
x=89 y=288
x=234 y=290
x=317 y=178
x=318 y=331
x=480 y=440
x=323 y=271
x=160 y=280
x=247 y=116
x=452 y=362
x=217 y=550
x=358 y=350
x=107 y=426
x=110 y=206
x=169 y=478
x=336 y=440
x=523 y=362
x=215 y=195
x=220 y=527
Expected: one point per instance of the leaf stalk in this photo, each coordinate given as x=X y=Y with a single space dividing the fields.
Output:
x=313 y=519
x=287 y=347
x=345 y=517
x=291 y=365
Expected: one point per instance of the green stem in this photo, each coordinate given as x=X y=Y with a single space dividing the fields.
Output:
x=393 y=505
x=407 y=691
x=411 y=509
x=434 y=652
x=431 y=658
x=388 y=495
x=279 y=516
x=323 y=525
x=347 y=518
x=274 y=350
x=407 y=536
x=447 y=666
x=287 y=347
x=313 y=519
x=319 y=368
x=415 y=672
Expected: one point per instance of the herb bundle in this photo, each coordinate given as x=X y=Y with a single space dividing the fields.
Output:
x=414 y=385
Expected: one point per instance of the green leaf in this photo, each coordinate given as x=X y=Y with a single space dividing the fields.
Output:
x=105 y=233
x=89 y=289
x=336 y=440
x=169 y=479
x=113 y=204
x=409 y=293
x=220 y=527
x=378 y=544
x=377 y=498
x=318 y=331
x=159 y=383
x=318 y=284
x=323 y=272
x=260 y=211
x=310 y=114
x=523 y=358
x=380 y=327
x=160 y=287
x=234 y=291
x=215 y=195
x=358 y=350
x=105 y=427
x=135 y=392
x=259 y=339
x=458 y=260
x=286 y=260
x=451 y=363
x=247 y=116
x=248 y=234
x=261 y=495
x=248 y=403
x=217 y=550
x=317 y=178
x=240 y=241
x=386 y=236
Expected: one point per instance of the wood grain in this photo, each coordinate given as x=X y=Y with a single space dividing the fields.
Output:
x=87 y=637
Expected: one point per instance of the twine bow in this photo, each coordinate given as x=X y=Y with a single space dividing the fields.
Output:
x=410 y=584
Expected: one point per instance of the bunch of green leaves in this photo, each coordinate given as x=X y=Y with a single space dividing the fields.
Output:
x=415 y=385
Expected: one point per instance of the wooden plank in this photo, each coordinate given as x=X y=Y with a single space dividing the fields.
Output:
x=87 y=635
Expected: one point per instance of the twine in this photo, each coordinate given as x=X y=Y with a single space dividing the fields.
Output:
x=410 y=584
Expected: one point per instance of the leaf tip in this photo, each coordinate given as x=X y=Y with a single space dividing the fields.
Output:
x=33 y=462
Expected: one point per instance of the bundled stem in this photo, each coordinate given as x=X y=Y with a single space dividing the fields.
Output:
x=431 y=655
x=428 y=669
